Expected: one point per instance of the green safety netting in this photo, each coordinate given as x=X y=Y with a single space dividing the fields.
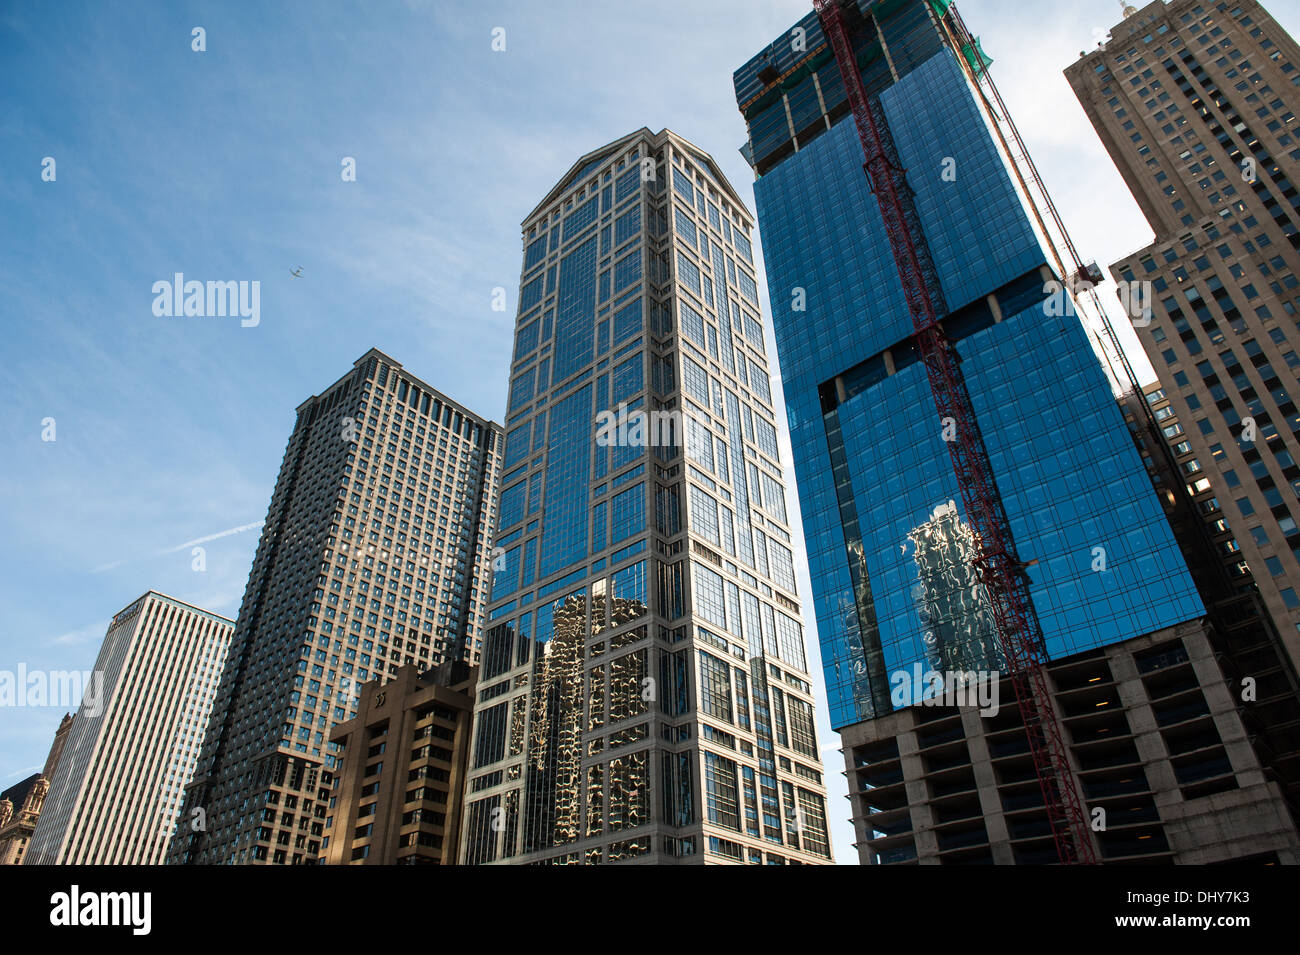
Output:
x=979 y=60
x=941 y=6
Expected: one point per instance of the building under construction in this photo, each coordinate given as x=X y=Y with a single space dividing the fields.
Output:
x=948 y=407
x=1243 y=633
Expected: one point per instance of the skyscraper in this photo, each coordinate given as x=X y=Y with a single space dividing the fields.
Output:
x=643 y=691
x=115 y=794
x=1196 y=103
x=374 y=555
x=884 y=518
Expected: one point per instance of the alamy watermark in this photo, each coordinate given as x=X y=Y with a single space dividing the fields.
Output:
x=125 y=909
x=1135 y=298
x=624 y=428
x=918 y=686
x=61 y=688
x=196 y=299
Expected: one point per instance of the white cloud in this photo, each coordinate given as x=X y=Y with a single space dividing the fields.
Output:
x=82 y=635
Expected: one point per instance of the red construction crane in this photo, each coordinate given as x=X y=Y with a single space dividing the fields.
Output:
x=997 y=564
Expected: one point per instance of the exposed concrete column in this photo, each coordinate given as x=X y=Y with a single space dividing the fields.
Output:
x=1223 y=709
x=918 y=795
x=1146 y=732
x=995 y=821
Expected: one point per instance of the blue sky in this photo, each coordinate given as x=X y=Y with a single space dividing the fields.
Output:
x=225 y=165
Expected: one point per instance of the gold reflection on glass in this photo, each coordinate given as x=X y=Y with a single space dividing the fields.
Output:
x=595 y=799
x=633 y=734
x=627 y=791
x=626 y=638
x=511 y=824
x=627 y=690
x=599 y=589
x=624 y=611
x=555 y=732
x=595 y=698
x=518 y=716
x=628 y=849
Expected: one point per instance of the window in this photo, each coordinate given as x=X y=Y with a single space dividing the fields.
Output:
x=684 y=225
x=708 y=595
x=715 y=687
x=722 y=797
x=682 y=185
x=704 y=515
x=692 y=322
x=699 y=443
x=627 y=511
x=689 y=273
x=627 y=270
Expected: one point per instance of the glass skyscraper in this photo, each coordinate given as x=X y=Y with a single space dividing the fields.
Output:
x=887 y=536
x=643 y=692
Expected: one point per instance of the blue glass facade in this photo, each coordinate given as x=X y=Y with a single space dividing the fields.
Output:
x=642 y=519
x=887 y=542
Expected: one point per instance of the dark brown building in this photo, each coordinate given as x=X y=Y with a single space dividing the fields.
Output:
x=398 y=790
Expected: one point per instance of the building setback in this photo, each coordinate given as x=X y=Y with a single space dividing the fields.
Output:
x=115 y=795
x=1196 y=104
x=374 y=555
x=21 y=803
x=643 y=692
x=887 y=536
x=397 y=791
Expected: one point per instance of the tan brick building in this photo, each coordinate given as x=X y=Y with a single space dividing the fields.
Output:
x=1196 y=103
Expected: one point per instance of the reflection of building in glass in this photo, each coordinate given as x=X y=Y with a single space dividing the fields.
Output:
x=959 y=629
x=555 y=737
x=644 y=694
